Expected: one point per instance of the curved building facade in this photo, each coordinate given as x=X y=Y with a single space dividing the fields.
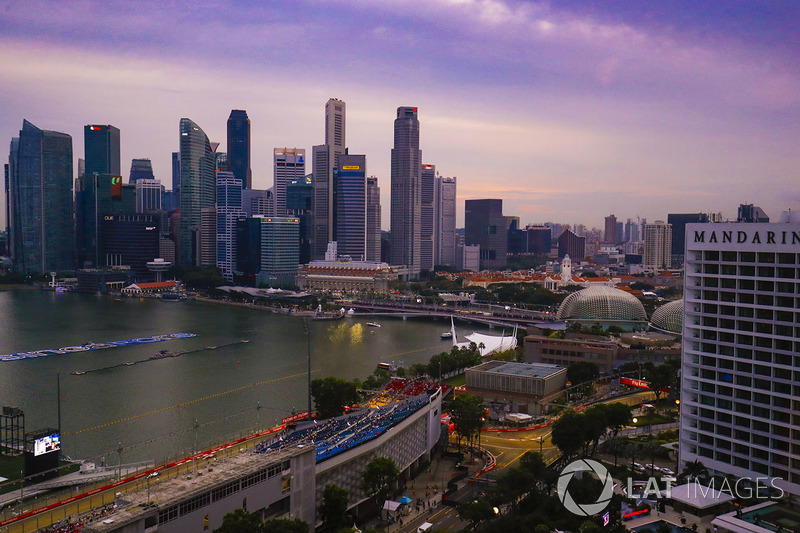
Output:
x=198 y=184
x=602 y=303
x=668 y=317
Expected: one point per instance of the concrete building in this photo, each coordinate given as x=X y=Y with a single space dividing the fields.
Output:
x=485 y=226
x=346 y=276
x=289 y=165
x=739 y=388
x=657 y=246
x=572 y=245
x=525 y=387
x=373 y=219
x=427 y=217
x=350 y=211
x=406 y=214
x=268 y=250
x=678 y=222
x=610 y=234
x=228 y=212
x=148 y=195
x=325 y=158
x=444 y=221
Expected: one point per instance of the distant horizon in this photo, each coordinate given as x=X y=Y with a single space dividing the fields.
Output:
x=569 y=112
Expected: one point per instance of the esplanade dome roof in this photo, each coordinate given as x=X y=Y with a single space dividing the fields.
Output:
x=601 y=303
x=669 y=317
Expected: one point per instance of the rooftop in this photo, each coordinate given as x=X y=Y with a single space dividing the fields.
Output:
x=528 y=370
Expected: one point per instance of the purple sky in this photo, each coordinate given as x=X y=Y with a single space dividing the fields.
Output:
x=569 y=111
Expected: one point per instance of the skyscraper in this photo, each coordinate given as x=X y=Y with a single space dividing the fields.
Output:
x=148 y=195
x=325 y=158
x=141 y=169
x=485 y=226
x=299 y=200
x=351 y=206
x=289 y=165
x=427 y=215
x=335 y=129
x=198 y=188
x=678 y=223
x=751 y=213
x=571 y=245
x=101 y=147
x=657 y=246
x=739 y=384
x=444 y=247
x=406 y=171
x=239 y=147
x=610 y=234
x=373 y=219
x=41 y=208
x=229 y=210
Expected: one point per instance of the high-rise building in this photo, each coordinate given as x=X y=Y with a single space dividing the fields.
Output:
x=751 y=213
x=130 y=239
x=41 y=208
x=657 y=246
x=444 y=221
x=239 y=147
x=101 y=147
x=289 y=164
x=321 y=156
x=335 y=111
x=610 y=234
x=571 y=245
x=148 y=195
x=207 y=238
x=351 y=206
x=258 y=202
x=268 y=250
x=485 y=226
x=197 y=189
x=373 y=219
x=299 y=199
x=427 y=217
x=229 y=211
x=739 y=384
x=176 y=178
x=678 y=222
x=141 y=169
x=325 y=158
x=406 y=171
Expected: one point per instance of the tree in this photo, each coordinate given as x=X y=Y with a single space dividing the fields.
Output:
x=476 y=511
x=616 y=446
x=240 y=521
x=661 y=377
x=618 y=415
x=333 y=508
x=467 y=414
x=331 y=395
x=568 y=433
x=284 y=525
x=694 y=470
x=379 y=477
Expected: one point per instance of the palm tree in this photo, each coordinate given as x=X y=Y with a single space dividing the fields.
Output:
x=695 y=470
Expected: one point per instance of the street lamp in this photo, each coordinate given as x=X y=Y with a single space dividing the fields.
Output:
x=541 y=444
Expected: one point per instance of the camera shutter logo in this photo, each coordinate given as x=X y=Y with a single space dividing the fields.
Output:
x=587 y=509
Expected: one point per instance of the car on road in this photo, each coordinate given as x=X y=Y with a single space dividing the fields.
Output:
x=667 y=472
x=638 y=467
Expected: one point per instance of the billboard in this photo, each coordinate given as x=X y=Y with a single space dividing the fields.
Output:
x=116 y=187
x=46 y=444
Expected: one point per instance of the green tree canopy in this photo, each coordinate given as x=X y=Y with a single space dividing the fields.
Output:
x=332 y=394
x=582 y=371
x=569 y=433
x=240 y=521
x=660 y=377
x=284 y=525
x=379 y=476
x=333 y=508
x=467 y=412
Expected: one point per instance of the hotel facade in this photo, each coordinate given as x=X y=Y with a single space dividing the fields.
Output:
x=740 y=378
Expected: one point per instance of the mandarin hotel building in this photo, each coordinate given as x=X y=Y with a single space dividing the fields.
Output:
x=740 y=393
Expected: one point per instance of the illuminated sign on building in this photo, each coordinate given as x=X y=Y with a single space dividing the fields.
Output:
x=116 y=187
x=351 y=167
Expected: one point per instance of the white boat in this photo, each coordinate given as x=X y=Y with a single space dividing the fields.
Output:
x=373 y=324
x=447 y=335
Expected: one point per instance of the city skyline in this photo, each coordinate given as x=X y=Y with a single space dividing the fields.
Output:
x=646 y=111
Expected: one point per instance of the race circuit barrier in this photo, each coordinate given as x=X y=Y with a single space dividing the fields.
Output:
x=94 y=346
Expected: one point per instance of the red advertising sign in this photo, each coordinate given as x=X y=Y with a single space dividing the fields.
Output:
x=642 y=384
x=295 y=418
